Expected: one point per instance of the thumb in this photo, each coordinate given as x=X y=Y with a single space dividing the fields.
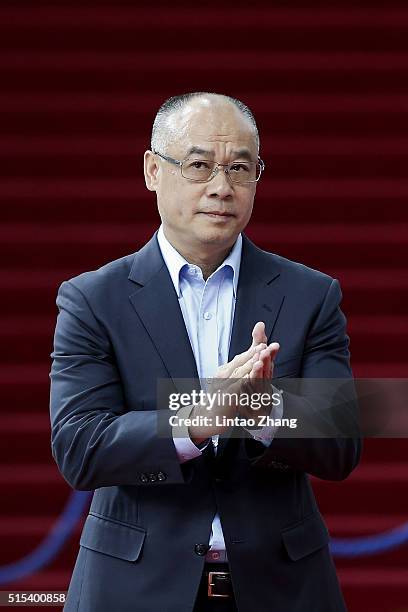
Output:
x=258 y=333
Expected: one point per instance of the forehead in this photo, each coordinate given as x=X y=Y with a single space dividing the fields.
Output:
x=213 y=124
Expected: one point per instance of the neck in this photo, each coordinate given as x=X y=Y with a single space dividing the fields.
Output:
x=208 y=263
x=206 y=258
x=207 y=269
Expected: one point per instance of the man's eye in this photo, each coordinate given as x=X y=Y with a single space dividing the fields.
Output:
x=240 y=168
x=198 y=165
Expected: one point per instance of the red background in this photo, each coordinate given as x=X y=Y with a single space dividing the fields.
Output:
x=80 y=84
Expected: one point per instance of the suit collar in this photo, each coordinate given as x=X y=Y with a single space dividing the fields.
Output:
x=148 y=261
x=259 y=297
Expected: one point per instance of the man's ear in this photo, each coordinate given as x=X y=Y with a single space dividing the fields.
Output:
x=150 y=170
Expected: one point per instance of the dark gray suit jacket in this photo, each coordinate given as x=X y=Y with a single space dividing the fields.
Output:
x=119 y=329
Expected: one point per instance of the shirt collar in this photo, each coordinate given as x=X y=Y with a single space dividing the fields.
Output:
x=175 y=262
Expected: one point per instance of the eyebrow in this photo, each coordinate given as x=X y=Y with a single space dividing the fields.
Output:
x=239 y=153
x=199 y=151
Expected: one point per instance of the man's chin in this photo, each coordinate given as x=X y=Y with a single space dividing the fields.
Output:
x=219 y=236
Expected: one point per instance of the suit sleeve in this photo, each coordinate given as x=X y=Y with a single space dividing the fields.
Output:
x=95 y=440
x=324 y=404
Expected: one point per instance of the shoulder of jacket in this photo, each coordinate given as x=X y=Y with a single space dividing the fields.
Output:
x=299 y=272
x=108 y=276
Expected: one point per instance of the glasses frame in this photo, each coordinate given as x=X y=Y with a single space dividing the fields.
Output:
x=180 y=163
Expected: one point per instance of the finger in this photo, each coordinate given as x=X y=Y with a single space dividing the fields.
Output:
x=275 y=346
x=246 y=367
x=258 y=334
x=241 y=374
x=226 y=369
x=267 y=356
x=257 y=370
x=241 y=359
x=243 y=370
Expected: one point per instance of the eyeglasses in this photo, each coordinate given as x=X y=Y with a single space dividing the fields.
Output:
x=204 y=170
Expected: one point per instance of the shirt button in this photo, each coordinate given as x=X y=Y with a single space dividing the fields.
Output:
x=192 y=271
x=207 y=316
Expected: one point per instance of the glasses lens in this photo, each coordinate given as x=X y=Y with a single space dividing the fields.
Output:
x=244 y=172
x=197 y=169
x=201 y=170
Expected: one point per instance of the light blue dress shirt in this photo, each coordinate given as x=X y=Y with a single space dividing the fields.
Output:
x=208 y=310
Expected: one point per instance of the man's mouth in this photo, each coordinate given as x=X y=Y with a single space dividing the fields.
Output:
x=216 y=213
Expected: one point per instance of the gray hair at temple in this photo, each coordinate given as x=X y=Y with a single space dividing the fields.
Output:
x=163 y=132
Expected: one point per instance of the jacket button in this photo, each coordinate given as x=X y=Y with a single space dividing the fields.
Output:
x=201 y=549
x=161 y=476
x=152 y=477
x=144 y=477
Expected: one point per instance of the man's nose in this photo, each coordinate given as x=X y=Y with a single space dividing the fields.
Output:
x=220 y=186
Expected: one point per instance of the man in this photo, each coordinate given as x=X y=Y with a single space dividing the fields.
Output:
x=199 y=302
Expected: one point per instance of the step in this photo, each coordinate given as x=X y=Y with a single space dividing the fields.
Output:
x=48 y=99
x=125 y=18
x=101 y=234
x=292 y=115
x=120 y=165
x=55 y=147
x=91 y=256
x=33 y=383
x=15 y=548
x=340 y=525
x=290 y=72
x=104 y=188
x=384 y=122
x=41 y=483
x=45 y=497
x=22 y=325
x=383 y=590
x=46 y=580
x=21 y=535
x=27 y=434
x=349 y=208
x=30 y=338
x=89 y=62
x=380 y=291
x=361 y=487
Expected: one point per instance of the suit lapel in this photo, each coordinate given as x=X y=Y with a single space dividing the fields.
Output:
x=260 y=297
x=156 y=303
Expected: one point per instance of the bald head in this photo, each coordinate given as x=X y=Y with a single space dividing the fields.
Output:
x=173 y=117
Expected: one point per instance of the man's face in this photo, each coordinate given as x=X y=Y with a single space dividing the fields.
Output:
x=204 y=216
